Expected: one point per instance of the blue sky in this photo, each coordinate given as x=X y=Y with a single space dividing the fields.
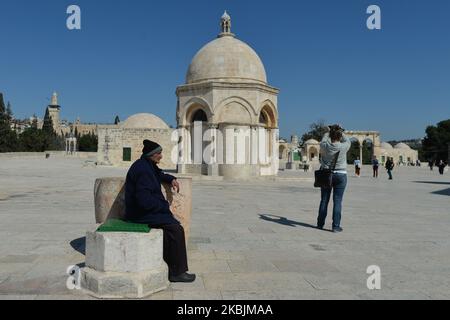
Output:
x=131 y=55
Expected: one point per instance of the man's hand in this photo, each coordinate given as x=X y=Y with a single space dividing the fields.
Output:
x=176 y=185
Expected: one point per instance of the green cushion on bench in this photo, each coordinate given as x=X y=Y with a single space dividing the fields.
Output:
x=116 y=225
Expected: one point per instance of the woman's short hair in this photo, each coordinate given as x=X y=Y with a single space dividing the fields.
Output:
x=335 y=134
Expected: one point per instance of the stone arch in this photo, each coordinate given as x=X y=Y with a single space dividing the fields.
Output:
x=269 y=111
x=192 y=106
x=234 y=112
x=368 y=147
x=282 y=151
x=313 y=153
x=237 y=100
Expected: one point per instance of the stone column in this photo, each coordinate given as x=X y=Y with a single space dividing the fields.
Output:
x=109 y=198
x=275 y=161
x=361 y=152
x=213 y=167
x=254 y=145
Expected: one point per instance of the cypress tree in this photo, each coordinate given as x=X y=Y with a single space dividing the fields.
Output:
x=8 y=137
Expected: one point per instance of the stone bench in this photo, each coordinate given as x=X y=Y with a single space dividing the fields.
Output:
x=129 y=264
x=124 y=264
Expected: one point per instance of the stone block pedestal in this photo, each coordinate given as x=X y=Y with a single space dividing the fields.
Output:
x=124 y=265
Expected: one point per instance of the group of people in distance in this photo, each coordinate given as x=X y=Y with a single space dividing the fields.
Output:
x=389 y=165
x=441 y=166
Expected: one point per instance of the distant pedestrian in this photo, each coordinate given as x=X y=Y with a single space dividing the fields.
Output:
x=389 y=167
x=305 y=167
x=441 y=167
x=375 y=165
x=430 y=164
x=357 y=164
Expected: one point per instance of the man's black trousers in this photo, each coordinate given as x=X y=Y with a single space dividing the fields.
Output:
x=174 y=248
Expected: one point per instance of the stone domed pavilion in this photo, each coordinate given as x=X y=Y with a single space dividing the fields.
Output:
x=227 y=100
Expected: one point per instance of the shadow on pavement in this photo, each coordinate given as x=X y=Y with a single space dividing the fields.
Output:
x=79 y=245
x=284 y=221
x=445 y=192
x=433 y=182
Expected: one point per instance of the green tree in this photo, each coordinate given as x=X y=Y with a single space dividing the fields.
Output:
x=51 y=140
x=9 y=113
x=88 y=143
x=316 y=131
x=47 y=126
x=33 y=140
x=8 y=137
x=435 y=144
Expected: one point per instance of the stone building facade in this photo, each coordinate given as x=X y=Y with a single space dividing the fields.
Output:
x=121 y=144
x=401 y=152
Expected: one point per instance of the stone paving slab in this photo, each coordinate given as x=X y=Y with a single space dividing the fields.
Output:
x=249 y=240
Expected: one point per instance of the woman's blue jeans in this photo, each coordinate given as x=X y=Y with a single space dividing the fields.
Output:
x=338 y=189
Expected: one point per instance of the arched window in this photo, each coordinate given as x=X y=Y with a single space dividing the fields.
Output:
x=262 y=118
x=200 y=116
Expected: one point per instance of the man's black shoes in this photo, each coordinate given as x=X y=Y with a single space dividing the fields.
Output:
x=184 y=277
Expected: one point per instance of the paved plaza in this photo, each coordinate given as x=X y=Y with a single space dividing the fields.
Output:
x=249 y=240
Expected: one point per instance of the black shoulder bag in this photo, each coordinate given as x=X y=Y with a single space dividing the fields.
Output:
x=324 y=177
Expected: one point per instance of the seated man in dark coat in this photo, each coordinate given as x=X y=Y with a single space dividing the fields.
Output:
x=145 y=203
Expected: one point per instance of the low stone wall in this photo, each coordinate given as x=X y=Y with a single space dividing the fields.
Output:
x=83 y=155
x=109 y=196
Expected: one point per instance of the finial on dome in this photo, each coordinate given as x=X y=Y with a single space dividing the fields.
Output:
x=226 y=16
x=225 y=25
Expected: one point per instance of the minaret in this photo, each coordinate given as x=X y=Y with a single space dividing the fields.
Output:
x=225 y=25
x=53 y=110
x=54 y=99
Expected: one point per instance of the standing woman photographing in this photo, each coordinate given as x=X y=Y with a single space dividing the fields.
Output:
x=333 y=149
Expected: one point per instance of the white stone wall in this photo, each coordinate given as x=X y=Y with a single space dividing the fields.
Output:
x=397 y=153
x=112 y=140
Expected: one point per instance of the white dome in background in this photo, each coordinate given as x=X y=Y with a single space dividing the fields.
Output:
x=144 y=121
x=386 y=146
x=402 y=145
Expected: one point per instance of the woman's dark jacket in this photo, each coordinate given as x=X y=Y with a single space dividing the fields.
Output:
x=144 y=200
